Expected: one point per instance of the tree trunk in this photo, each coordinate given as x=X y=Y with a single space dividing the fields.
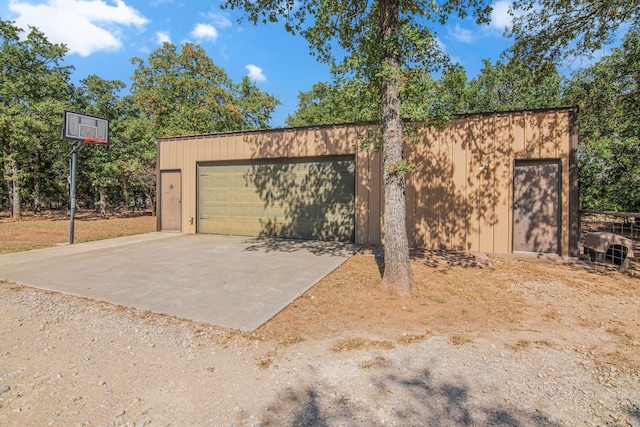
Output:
x=6 y=175
x=16 y=211
x=153 y=205
x=398 y=276
x=36 y=195
x=8 y=185
x=103 y=201
x=36 y=184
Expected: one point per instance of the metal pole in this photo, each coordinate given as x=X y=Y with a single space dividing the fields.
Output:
x=74 y=153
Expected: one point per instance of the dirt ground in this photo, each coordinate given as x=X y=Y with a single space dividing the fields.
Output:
x=50 y=228
x=482 y=341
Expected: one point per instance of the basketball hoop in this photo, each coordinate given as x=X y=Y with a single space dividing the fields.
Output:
x=81 y=128
x=97 y=141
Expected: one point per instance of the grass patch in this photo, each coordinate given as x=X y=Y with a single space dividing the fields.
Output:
x=620 y=333
x=520 y=345
x=409 y=338
x=352 y=344
x=544 y=343
x=459 y=339
x=11 y=248
x=378 y=362
x=290 y=338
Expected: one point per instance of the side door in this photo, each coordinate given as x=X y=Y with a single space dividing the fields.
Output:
x=171 y=201
x=536 y=206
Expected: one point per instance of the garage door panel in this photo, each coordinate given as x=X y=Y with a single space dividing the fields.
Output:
x=301 y=198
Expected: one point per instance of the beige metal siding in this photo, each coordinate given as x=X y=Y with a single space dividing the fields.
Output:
x=454 y=204
x=451 y=203
x=294 y=198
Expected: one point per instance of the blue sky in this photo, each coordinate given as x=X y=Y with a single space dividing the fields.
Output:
x=103 y=36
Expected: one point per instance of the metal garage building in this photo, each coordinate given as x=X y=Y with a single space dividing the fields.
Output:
x=498 y=183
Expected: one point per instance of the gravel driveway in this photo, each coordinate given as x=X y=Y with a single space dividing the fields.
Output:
x=70 y=361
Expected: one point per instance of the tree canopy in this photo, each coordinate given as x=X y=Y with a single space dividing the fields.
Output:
x=512 y=86
x=498 y=87
x=173 y=92
x=554 y=32
x=34 y=90
x=186 y=93
x=609 y=124
x=550 y=31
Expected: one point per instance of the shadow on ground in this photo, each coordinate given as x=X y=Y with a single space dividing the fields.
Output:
x=410 y=401
x=315 y=247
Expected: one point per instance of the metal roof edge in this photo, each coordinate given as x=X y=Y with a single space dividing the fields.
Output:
x=570 y=108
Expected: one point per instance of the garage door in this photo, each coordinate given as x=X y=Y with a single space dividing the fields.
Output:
x=293 y=198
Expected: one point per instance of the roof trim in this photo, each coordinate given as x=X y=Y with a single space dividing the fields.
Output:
x=569 y=108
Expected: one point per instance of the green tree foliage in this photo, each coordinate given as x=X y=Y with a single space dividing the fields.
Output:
x=609 y=126
x=498 y=87
x=430 y=99
x=34 y=89
x=350 y=101
x=181 y=93
x=354 y=101
x=184 y=93
x=554 y=31
x=382 y=41
x=255 y=106
x=512 y=86
x=100 y=170
x=122 y=174
x=172 y=93
x=549 y=31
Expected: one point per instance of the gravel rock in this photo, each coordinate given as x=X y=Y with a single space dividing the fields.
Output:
x=159 y=371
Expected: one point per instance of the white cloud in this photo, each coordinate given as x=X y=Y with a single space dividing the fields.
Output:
x=500 y=16
x=219 y=20
x=204 y=32
x=163 y=37
x=255 y=73
x=462 y=34
x=85 y=26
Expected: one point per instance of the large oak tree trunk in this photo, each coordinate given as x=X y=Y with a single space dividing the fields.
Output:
x=398 y=276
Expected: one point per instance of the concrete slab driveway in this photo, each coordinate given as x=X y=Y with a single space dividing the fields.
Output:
x=235 y=282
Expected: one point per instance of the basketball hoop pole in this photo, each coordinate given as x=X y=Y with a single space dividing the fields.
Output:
x=74 y=155
x=83 y=129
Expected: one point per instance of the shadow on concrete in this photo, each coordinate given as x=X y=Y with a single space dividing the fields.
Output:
x=411 y=401
x=294 y=245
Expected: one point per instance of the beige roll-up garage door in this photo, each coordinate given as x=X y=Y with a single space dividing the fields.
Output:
x=294 y=198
